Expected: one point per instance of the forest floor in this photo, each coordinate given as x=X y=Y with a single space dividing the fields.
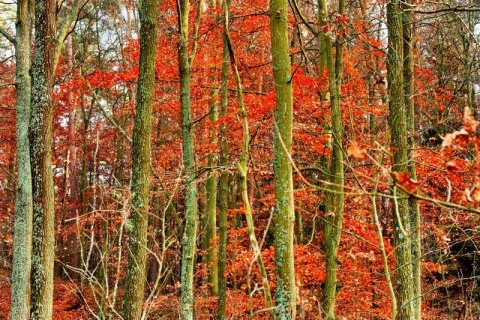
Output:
x=70 y=304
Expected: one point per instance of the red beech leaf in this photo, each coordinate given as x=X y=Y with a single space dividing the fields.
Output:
x=403 y=179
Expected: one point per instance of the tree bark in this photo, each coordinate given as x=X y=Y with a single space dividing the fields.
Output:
x=211 y=206
x=223 y=182
x=41 y=141
x=399 y=145
x=335 y=196
x=191 y=207
x=22 y=243
x=141 y=150
x=409 y=88
x=285 y=291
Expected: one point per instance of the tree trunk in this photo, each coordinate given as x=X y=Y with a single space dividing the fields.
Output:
x=41 y=141
x=285 y=291
x=223 y=183
x=335 y=195
x=211 y=206
x=415 y=217
x=22 y=243
x=399 y=145
x=191 y=206
x=140 y=185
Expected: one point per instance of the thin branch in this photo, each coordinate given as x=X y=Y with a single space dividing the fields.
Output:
x=461 y=8
x=64 y=28
x=440 y=203
x=302 y=17
x=7 y=35
x=9 y=84
x=105 y=113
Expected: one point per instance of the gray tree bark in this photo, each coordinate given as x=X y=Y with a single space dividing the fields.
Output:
x=22 y=242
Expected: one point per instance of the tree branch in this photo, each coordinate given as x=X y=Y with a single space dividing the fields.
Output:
x=7 y=35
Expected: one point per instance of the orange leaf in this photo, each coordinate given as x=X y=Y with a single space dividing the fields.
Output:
x=403 y=179
x=470 y=124
x=356 y=151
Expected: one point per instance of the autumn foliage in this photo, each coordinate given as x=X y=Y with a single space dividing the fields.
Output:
x=93 y=124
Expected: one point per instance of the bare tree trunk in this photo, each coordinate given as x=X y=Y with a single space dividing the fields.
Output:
x=399 y=145
x=141 y=150
x=409 y=88
x=22 y=243
x=41 y=140
x=191 y=207
x=335 y=196
x=285 y=291
x=223 y=182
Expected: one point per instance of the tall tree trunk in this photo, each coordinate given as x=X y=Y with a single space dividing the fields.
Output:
x=223 y=182
x=140 y=185
x=211 y=206
x=399 y=145
x=22 y=243
x=41 y=141
x=285 y=291
x=335 y=195
x=191 y=206
x=415 y=218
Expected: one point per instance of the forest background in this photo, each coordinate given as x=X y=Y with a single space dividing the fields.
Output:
x=233 y=159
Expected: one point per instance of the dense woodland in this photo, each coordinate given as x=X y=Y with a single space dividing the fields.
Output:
x=229 y=159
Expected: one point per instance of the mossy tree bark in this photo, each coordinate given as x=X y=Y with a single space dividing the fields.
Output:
x=285 y=291
x=22 y=243
x=191 y=206
x=141 y=150
x=40 y=135
x=210 y=220
x=223 y=182
x=335 y=196
x=399 y=145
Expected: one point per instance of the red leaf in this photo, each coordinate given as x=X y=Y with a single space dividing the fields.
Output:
x=403 y=179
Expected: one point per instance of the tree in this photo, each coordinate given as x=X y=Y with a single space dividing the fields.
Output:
x=22 y=255
x=285 y=292
x=191 y=206
x=335 y=193
x=398 y=128
x=41 y=138
x=97 y=76
x=140 y=185
x=223 y=180
x=414 y=207
x=47 y=47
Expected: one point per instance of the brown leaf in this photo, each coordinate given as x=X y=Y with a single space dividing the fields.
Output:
x=470 y=124
x=451 y=165
x=356 y=151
